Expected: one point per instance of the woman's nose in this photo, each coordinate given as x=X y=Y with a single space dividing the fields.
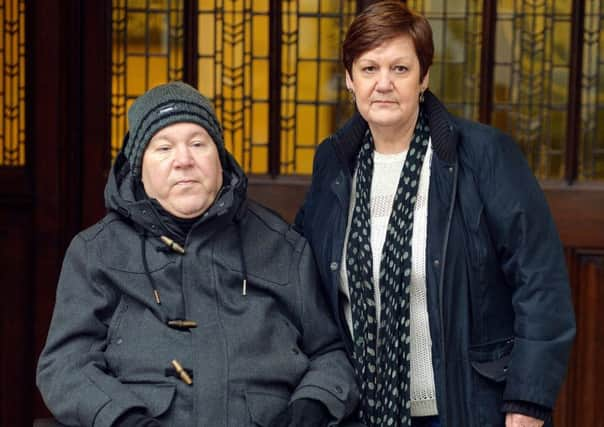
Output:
x=384 y=82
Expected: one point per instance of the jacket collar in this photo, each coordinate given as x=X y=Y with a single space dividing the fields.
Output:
x=443 y=131
x=444 y=134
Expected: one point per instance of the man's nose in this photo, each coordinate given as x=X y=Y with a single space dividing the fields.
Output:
x=183 y=155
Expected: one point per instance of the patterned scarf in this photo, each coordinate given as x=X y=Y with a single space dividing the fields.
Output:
x=382 y=364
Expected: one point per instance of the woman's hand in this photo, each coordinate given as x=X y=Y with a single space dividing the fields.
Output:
x=519 y=420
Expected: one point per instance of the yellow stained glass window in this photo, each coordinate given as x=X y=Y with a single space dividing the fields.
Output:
x=12 y=83
x=531 y=79
x=274 y=73
x=235 y=68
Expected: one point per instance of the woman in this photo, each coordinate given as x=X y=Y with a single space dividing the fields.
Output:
x=436 y=247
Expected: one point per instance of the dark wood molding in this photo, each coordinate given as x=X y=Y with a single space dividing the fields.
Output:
x=69 y=116
x=55 y=135
x=16 y=316
x=15 y=181
x=95 y=103
x=283 y=194
x=578 y=211
x=578 y=401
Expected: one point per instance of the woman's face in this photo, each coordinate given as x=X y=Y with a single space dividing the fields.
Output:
x=386 y=84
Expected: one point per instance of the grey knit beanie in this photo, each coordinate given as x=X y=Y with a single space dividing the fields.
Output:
x=164 y=105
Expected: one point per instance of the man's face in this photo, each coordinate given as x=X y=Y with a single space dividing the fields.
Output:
x=182 y=170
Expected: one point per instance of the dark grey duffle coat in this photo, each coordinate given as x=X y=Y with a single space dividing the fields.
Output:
x=109 y=347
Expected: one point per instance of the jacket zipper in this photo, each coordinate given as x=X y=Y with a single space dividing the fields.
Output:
x=348 y=341
x=441 y=287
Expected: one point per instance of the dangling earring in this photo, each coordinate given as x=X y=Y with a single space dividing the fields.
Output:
x=421 y=96
x=353 y=99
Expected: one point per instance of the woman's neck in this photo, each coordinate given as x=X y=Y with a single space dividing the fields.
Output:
x=393 y=139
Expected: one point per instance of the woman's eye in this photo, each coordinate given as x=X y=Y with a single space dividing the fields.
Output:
x=369 y=69
x=400 y=68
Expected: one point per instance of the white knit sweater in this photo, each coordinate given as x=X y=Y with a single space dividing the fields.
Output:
x=386 y=174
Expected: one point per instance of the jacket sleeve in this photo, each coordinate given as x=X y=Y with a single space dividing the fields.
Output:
x=72 y=372
x=330 y=377
x=531 y=258
x=317 y=172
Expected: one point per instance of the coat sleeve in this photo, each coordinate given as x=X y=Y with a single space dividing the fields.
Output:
x=317 y=172
x=531 y=258
x=299 y=219
x=330 y=377
x=72 y=374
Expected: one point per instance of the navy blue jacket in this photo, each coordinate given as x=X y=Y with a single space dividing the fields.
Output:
x=501 y=317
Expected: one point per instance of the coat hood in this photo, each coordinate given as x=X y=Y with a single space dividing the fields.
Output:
x=123 y=197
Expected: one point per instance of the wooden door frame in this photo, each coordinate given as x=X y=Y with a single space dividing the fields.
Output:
x=68 y=82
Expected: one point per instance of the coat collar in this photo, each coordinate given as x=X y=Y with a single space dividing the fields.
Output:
x=348 y=139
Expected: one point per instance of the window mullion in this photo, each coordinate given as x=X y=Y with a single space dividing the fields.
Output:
x=487 y=60
x=573 y=135
x=274 y=137
x=190 y=48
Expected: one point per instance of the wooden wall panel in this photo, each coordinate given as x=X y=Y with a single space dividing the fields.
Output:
x=583 y=394
x=284 y=195
x=579 y=213
x=16 y=314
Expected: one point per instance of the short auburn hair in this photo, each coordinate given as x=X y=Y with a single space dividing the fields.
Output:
x=383 y=21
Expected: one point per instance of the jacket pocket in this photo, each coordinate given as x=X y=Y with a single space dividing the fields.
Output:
x=263 y=407
x=491 y=360
x=141 y=346
x=489 y=363
x=157 y=397
x=476 y=242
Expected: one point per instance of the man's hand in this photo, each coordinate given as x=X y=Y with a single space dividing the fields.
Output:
x=303 y=413
x=519 y=420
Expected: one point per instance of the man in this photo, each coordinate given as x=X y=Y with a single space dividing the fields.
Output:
x=189 y=305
